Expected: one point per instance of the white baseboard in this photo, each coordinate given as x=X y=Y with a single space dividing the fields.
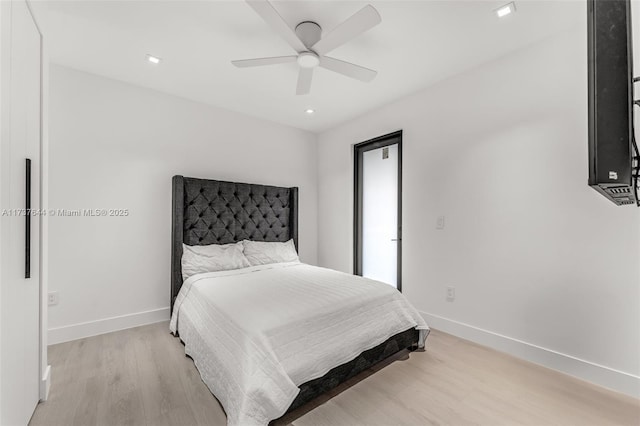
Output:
x=106 y=325
x=598 y=374
x=46 y=384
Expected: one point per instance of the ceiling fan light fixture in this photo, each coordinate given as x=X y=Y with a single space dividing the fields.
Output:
x=308 y=60
x=309 y=111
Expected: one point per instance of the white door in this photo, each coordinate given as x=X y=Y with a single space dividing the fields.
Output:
x=379 y=172
x=20 y=94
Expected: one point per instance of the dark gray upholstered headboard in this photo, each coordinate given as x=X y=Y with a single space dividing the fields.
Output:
x=217 y=212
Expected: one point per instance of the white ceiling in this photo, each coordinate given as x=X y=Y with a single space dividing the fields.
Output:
x=417 y=44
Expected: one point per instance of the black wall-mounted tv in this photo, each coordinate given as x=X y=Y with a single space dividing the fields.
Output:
x=613 y=155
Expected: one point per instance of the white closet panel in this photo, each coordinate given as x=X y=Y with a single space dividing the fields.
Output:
x=20 y=130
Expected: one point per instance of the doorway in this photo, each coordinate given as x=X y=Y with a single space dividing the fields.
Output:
x=378 y=209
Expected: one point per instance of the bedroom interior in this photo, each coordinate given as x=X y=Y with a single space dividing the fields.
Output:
x=257 y=212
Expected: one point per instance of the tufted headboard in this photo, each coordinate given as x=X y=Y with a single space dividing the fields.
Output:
x=217 y=212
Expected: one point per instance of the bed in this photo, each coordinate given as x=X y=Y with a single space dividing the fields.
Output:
x=267 y=339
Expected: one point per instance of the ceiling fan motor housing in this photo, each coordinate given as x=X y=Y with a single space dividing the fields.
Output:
x=309 y=33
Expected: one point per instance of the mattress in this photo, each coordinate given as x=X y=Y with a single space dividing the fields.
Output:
x=256 y=334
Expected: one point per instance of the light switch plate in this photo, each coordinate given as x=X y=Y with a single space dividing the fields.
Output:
x=440 y=222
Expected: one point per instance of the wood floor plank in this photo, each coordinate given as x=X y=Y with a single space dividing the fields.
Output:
x=141 y=377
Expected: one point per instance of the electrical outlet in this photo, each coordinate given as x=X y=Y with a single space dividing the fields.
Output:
x=451 y=294
x=53 y=298
x=440 y=222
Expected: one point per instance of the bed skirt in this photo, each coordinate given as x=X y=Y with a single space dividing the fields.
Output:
x=316 y=387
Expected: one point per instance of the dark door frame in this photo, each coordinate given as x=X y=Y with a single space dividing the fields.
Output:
x=359 y=149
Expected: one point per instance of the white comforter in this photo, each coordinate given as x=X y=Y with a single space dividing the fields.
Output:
x=257 y=333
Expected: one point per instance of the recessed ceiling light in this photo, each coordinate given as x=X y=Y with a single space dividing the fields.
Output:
x=309 y=110
x=505 y=10
x=153 y=59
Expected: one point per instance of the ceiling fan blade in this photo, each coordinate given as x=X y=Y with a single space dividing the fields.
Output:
x=363 y=20
x=348 y=69
x=271 y=16
x=258 y=62
x=304 y=81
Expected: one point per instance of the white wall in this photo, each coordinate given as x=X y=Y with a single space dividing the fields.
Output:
x=113 y=145
x=543 y=266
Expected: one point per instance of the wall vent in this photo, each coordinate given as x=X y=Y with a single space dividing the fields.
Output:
x=620 y=190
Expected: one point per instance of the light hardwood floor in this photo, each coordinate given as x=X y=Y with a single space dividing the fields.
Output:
x=142 y=377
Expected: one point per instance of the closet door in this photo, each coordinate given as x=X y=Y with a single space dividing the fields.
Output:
x=20 y=95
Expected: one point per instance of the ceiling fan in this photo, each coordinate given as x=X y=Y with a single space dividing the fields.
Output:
x=311 y=48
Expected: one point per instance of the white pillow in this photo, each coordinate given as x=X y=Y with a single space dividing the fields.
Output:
x=263 y=253
x=212 y=258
